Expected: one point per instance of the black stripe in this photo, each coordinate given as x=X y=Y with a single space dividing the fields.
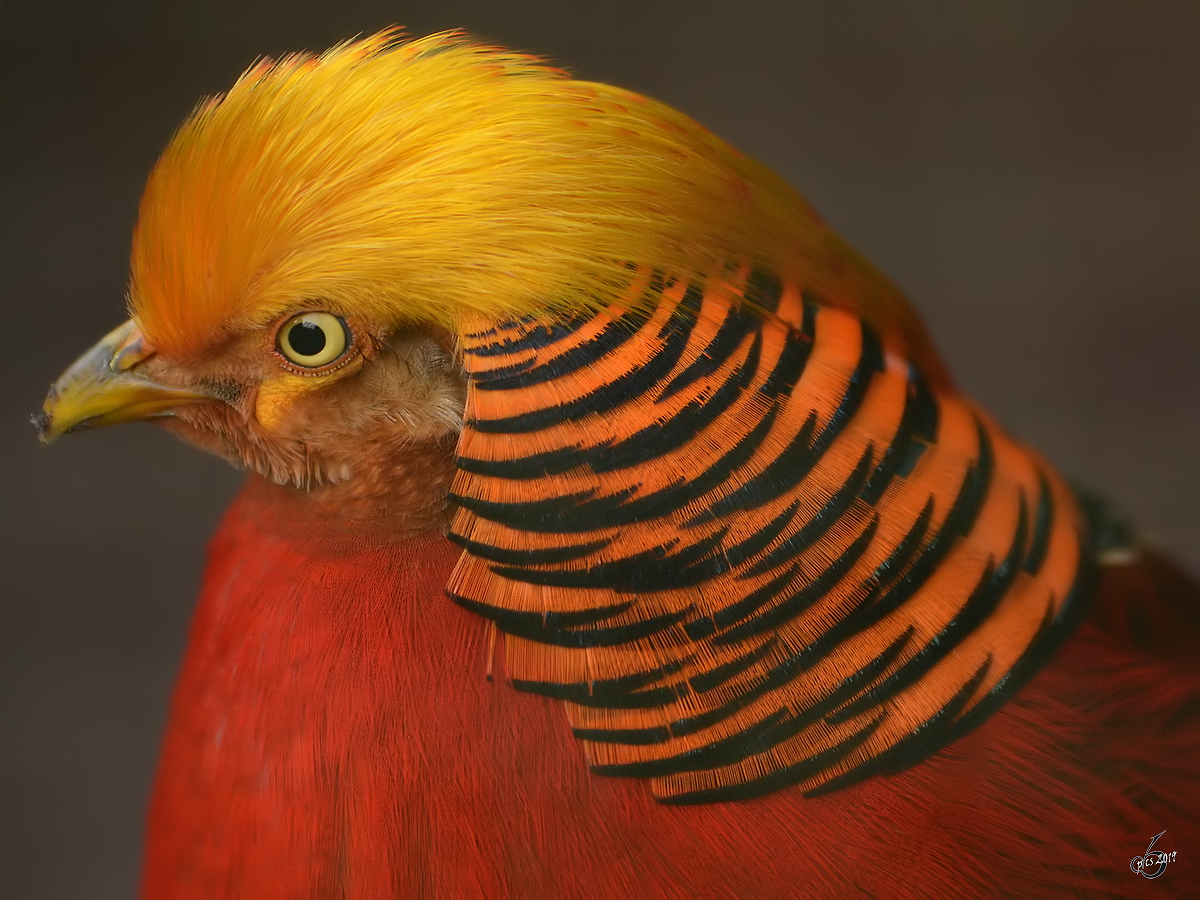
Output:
x=1042 y=524
x=613 y=693
x=555 y=620
x=808 y=325
x=683 y=492
x=918 y=424
x=788 y=368
x=801 y=771
x=537 y=465
x=540 y=336
x=815 y=528
x=703 y=682
x=612 y=336
x=555 y=514
x=774 y=678
x=930 y=736
x=653 y=570
x=775 y=480
x=870 y=361
x=702 y=628
x=714 y=678
x=642 y=573
x=487 y=332
x=651 y=441
x=543 y=556
x=727 y=339
x=686 y=311
x=535 y=627
x=797 y=349
x=502 y=371
x=764 y=734
x=992 y=586
x=790 y=467
x=808 y=595
x=650 y=300
x=918 y=745
x=721 y=752
x=575 y=513
x=632 y=384
x=761 y=539
x=661 y=438
x=866 y=610
x=904 y=550
x=849 y=624
x=763 y=290
x=783 y=673
x=910 y=457
x=632 y=736
x=958 y=522
x=810 y=298
x=1052 y=631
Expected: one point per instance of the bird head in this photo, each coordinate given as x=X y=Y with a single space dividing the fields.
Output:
x=311 y=243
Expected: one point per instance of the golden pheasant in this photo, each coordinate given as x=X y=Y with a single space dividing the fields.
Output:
x=785 y=614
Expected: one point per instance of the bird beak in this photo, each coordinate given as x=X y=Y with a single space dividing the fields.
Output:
x=103 y=387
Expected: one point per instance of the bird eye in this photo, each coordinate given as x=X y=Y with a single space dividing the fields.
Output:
x=313 y=339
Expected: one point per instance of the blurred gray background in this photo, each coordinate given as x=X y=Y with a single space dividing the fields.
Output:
x=1026 y=171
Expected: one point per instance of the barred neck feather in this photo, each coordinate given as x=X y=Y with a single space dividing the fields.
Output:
x=751 y=551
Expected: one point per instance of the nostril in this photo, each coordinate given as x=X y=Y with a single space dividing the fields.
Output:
x=133 y=352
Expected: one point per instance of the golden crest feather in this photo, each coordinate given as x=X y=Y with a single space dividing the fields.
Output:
x=422 y=181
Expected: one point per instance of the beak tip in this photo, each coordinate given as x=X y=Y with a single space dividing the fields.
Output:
x=104 y=386
x=41 y=421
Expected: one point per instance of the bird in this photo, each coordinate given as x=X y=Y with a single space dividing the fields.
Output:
x=612 y=528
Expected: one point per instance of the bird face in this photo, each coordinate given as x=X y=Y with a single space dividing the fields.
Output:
x=312 y=399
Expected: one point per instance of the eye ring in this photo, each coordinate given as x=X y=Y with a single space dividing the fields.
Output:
x=313 y=340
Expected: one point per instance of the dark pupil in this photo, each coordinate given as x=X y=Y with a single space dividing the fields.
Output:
x=307 y=338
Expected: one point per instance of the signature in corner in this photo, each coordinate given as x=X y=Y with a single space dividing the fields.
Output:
x=1154 y=862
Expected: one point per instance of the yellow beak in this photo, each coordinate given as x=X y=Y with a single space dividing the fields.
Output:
x=103 y=387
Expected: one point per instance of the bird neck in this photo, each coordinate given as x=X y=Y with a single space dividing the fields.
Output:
x=396 y=492
x=320 y=650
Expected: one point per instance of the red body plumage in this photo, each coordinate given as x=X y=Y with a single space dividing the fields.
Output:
x=333 y=734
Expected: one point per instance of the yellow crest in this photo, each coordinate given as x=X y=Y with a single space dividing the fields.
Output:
x=422 y=181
